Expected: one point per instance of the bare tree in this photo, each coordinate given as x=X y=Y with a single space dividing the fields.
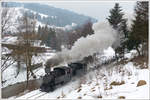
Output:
x=27 y=37
x=6 y=17
x=82 y=31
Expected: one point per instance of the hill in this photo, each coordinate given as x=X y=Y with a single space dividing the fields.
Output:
x=52 y=16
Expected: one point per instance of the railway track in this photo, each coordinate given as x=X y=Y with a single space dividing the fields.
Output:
x=40 y=94
x=37 y=95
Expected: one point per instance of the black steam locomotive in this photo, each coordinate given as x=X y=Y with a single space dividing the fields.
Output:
x=61 y=75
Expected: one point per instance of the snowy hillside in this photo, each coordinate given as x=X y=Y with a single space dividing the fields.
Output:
x=113 y=81
x=18 y=13
x=50 y=15
x=104 y=83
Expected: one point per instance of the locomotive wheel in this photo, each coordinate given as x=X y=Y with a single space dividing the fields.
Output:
x=42 y=87
x=47 y=89
x=62 y=83
x=52 y=87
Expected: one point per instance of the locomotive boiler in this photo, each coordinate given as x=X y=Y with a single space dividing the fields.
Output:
x=61 y=75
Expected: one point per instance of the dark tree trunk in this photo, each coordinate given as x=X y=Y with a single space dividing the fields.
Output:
x=138 y=51
x=18 y=65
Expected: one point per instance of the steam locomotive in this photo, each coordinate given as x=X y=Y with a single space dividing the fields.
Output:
x=61 y=75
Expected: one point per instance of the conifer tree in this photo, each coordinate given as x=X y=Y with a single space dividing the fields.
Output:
x=119 y=24
x=139 y=30
x=116 y=16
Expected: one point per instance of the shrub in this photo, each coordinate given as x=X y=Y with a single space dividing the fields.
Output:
x=141 y=82
x=99 y=96
x=117 y=83
x=121 y=97
x=79 y=97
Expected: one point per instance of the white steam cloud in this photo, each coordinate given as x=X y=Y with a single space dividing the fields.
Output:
x=103 y=37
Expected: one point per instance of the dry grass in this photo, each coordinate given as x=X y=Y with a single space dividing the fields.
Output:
x=141 y=82
x=140 y=61
x=99 y=96
x=62 y=94
x=96 y=84
x=121 y=97
x=79 y=97
x=93 y=90
x=58 y=97
x=108 y=88
x=122 y=62
x=117 y=83
x=79 y=90
x=89 y=82
x=80 y=86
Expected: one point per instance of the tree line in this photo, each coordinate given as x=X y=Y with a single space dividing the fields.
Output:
x=56 y=38
x=137 y=36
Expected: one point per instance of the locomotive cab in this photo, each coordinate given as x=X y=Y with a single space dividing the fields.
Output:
x=59 y=75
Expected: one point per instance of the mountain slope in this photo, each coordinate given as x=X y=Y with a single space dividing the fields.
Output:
x=52 y=16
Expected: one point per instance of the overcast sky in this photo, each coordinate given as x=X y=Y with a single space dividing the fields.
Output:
x=98 y=10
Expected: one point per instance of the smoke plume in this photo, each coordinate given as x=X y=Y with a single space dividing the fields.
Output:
x=103 y=37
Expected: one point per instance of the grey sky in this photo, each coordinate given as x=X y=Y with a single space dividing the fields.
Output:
x=98 y=10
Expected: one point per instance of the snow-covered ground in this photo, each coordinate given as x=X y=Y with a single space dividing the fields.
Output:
x=108 y=82
x=9 y=75
x=9 y=39
x=96 y=84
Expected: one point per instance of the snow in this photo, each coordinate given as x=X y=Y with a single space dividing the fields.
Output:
x=66 y=89
x=131 y=54
x=12 y=70
x=18 y=13
x=9 y=39
x=53 y=17
x=67 y=27
x=13 y=22
x=109 y=52
x=41 y=58
x=74 y=24
x=43 y=15
x=39 y=23
x=86 y=87
x=10 y=73
x=130 y=16
x=130 y=91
